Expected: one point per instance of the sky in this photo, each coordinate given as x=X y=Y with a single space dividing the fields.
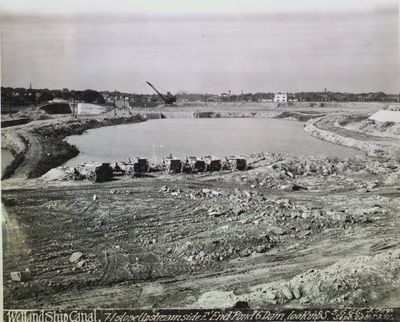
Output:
x=201 y=46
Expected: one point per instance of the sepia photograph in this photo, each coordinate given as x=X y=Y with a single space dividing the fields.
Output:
x=187 y=160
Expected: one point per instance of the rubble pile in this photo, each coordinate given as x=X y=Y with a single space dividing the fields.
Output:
x=298 y=166
x=247 y=223
x=340 y=285
x=222 y=203
x=343 y=282
x=315 y=173
x=33 y=114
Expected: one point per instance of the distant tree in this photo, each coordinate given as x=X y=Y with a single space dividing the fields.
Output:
x=44 y=96
x=92 y=96
x=5 y=97
x=31 y=98
x=18 y=101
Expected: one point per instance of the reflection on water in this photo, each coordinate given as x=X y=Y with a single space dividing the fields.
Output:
x=181 y=137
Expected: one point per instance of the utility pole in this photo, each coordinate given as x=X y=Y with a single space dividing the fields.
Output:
x=74 y=108
x=115 y=107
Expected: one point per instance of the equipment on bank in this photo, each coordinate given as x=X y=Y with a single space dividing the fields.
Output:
x=172 y=165
x=200 y=165
x=133 y=166
x=213 y=164
x=235 y=163
x=168 y=99
x=95 y=172
x=92 y=172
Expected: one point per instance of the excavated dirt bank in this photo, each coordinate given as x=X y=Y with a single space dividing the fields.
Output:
x=333 y=128
x=39 y=146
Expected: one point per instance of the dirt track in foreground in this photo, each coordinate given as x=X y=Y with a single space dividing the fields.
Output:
x=167 y=242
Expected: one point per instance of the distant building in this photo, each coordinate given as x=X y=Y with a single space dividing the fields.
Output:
x=88 y=108
x=280 y=98
x=393 y=97
x=123 y=102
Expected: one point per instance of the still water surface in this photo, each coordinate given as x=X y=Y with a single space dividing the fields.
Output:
x=181 y=137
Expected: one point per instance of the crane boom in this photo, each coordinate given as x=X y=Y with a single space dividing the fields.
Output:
x=161 y=95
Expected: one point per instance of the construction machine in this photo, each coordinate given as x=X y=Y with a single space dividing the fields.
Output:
x=168 y=99
x=91 y=171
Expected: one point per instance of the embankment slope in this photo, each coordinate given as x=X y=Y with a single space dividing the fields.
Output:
x=329 y=128
x=39 y=146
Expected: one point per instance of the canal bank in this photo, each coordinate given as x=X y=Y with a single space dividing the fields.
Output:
x=328 y=128
x=39 y=146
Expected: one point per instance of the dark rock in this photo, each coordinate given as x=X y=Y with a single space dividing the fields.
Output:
x=238 y=211
x=241 y=305
x=261 y=249
x=296 y=187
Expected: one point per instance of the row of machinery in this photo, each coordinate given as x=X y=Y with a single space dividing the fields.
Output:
x=95 y=172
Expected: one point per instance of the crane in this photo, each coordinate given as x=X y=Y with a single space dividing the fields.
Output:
x=168 y=99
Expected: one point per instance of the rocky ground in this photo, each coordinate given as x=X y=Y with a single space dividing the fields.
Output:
x=288 y=232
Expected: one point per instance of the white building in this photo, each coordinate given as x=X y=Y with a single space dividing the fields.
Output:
x=280 y=98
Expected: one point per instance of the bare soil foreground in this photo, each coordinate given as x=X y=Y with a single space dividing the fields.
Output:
x=291 y=231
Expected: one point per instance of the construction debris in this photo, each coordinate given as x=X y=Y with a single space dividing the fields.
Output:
x=75 y=257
